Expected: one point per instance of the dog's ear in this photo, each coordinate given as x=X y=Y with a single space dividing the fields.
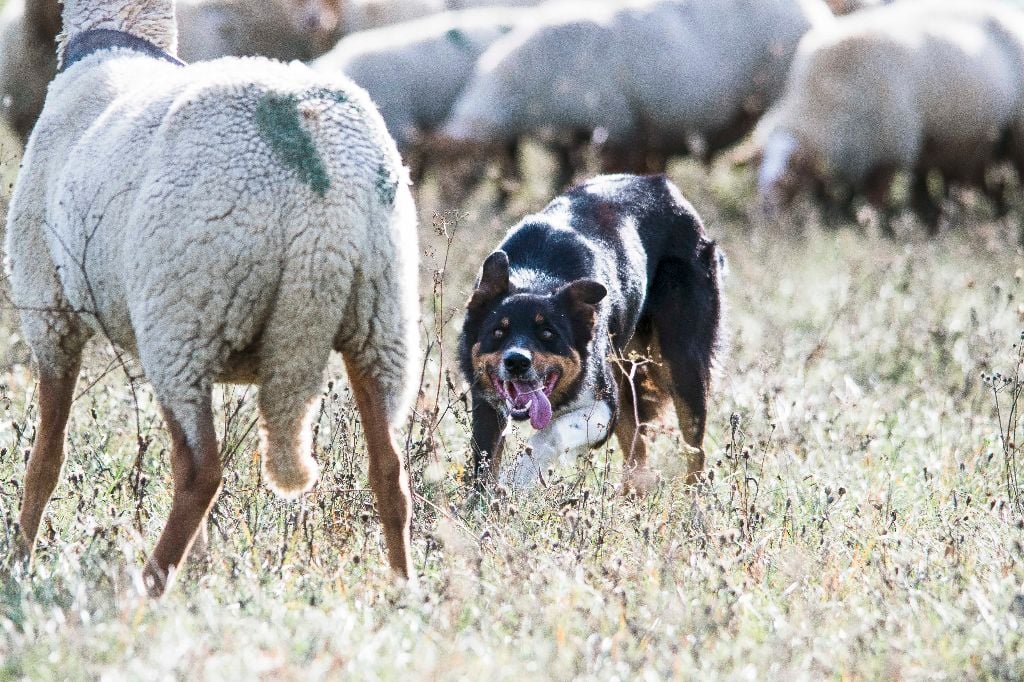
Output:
x=584 y=292
x=580 y=299
x=493 y=282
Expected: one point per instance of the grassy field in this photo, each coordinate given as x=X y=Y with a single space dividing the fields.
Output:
x=855 y=521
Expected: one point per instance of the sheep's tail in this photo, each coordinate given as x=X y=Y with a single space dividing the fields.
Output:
x=295 y=354
x=288 y=464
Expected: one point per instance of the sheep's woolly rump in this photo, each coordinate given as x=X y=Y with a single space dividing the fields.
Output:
x=234 y=220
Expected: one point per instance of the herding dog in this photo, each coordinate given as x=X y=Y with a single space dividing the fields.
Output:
x=589 y=316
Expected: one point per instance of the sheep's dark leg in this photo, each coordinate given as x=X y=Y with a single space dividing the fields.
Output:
x=923 y=204
x=197 y=472
x=565 y=165
x=616 y=158
x=56 y=391
x=416 y=159
x=388 y=478
x=509 y=177
x=656 y=161
x=877 y=188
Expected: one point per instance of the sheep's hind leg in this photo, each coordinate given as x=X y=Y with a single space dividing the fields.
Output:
x=56 y=392
x=388 y=477
x=196 y=470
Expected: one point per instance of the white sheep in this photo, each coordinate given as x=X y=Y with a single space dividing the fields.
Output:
x=415 y=70
x=649 y=77
x=234 y=220
x=914 y=86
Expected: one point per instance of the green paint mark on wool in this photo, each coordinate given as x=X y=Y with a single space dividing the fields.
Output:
x=387 y=185
x=457 y=38
x=280 y=123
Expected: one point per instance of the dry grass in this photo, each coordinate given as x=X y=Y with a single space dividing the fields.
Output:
x=856 y=520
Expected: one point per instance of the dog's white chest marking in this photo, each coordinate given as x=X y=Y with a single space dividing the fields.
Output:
x=565 y=438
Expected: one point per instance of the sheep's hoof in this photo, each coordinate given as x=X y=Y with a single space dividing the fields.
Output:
x=155 y=579
x=20 y=559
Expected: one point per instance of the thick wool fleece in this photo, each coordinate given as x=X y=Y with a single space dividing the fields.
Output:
x=233 y=220
x=415 y=70
x=667 y=71
x=873 y=91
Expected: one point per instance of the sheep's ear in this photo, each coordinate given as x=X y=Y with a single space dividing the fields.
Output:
x=493 y=281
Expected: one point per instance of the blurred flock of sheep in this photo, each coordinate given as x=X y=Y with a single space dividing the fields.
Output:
x=834 y=100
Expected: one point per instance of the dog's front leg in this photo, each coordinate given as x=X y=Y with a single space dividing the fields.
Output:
x=566 y=437
x=487 y=442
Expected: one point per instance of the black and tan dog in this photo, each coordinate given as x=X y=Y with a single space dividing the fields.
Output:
x=591 y=315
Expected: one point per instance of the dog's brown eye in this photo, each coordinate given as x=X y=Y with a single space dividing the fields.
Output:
x=546 y=335
x=498 y=333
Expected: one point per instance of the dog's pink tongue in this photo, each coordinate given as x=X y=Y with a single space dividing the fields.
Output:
x=540 y=410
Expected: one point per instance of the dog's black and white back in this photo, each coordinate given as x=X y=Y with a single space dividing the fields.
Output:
x=616 y=277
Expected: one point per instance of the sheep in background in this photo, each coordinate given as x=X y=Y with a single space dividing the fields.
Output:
x=840 y=7
x=916 y=86
x=282 y=29
x=649 y=78
x=363 y=15
x=28 y=60
x=415 y=70
x=234 y=220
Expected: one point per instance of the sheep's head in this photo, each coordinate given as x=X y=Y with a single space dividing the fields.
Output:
x=320 y=20
x=788 y=165
x=316 y=16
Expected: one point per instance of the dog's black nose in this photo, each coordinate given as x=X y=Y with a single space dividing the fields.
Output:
x=516 y=362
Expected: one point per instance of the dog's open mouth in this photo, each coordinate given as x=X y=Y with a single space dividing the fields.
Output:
x=528 y=399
